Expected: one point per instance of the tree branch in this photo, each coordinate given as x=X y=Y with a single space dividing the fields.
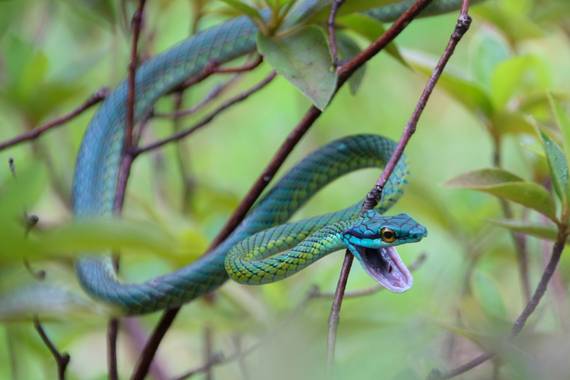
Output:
x=37 y=132
x=530 y=307
x=62 y=359
x=344 y=72
x=214 y=68
x=209 y=98
x=332 y=30
x=207 y=119
x=375 y=193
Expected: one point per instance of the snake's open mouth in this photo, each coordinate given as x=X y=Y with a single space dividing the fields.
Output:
x=386 y=267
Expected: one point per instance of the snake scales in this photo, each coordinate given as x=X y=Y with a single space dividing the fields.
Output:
x=262 y=248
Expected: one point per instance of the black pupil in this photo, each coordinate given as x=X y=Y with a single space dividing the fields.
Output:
x=388 y=235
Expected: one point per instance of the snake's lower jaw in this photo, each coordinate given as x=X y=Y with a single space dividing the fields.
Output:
x=386 y=267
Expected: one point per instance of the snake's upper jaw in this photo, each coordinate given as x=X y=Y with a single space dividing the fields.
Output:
x=386 y=267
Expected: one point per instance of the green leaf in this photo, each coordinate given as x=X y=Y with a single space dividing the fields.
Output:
x=508 y=186
x=303 y=58
x=348 y=49
x=518 y=74
x=558 y=166
x=516 y=26
x=486 y=291
x=563 y=121
x=245 y=9
x=505 y=122
x=47 y=301
x=370 y=29
x=487 y=50
x=466 y=92
x=542 y=231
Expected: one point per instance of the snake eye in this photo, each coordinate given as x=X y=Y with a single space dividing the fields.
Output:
x=387 y=235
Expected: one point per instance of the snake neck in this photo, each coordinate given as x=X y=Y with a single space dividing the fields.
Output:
x=280 y=252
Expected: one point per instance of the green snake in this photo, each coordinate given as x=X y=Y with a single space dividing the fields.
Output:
x=264 y=247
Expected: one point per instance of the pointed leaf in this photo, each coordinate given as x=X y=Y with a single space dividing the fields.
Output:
x=563 y=120
x=518 y=74
x=558 y=166
x=303 y=59
x=348 y=49
x=542 y=231
x=508 y=186
x=486 y=291
x=244 y=9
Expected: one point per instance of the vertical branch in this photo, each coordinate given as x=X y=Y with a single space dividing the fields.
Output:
x=332 y=30
x=344 y=72
x=519 y=240
x=112 y=333
x=208 y=351
x=62 y=359
x=373 y=196
x=124 y=169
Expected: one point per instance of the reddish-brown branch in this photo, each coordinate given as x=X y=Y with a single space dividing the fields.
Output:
x=125 y=170
x=215 y=68
x=112 y=333
x=136 y=26
x=211 y=96
x=334 y=315
x=332 y=30
x=269 y=172
x=37 y=132
x=530 y=307
x=208 y=118
x=62 y=359
x=375 y=193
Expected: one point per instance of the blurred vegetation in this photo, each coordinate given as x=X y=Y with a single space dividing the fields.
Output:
x=504 y=100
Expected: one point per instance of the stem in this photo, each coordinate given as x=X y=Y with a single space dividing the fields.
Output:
x=344 y=72
x=332 y=30
x=530 y=307
x=62 y=359
x=112 y=332
x=37 y=132
x=373 y=196
x=207 y=119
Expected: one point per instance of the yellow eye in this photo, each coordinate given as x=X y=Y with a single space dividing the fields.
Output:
x=387 y=235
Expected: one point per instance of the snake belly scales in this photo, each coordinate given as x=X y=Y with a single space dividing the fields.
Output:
x=250 y=259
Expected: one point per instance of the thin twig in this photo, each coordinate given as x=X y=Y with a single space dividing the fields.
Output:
x=124 y=170
x=375 y=193
x=519 y=240
x=112 y=333
x=207 y=119
x=62 y=359
x=317 y=293
x=37 y=132
x=208 y=352
x=214 y=68
x=136 y=27
x=218 y=359
x=334 y=315
x=530 y=307
x=236 y=339
x=211 y=96
x=344 y=72
x=332 y=30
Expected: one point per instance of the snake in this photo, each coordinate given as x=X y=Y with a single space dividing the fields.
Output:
x=265 y=247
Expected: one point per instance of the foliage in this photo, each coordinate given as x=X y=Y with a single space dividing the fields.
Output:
x=498 y=124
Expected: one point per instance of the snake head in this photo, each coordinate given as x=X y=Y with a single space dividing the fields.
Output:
x=372 y=239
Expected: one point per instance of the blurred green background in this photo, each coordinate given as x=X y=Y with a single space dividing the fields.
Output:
x=55 y=53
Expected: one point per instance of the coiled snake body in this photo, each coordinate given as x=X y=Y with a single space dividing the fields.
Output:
x=252 y=256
